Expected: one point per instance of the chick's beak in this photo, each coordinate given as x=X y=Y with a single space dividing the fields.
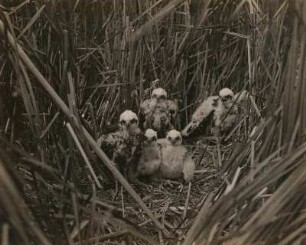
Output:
x=128 y=124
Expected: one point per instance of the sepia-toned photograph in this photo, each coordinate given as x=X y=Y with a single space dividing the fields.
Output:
x=153 y=122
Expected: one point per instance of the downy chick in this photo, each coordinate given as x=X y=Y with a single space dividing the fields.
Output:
x=176 y=161
x=150 y=158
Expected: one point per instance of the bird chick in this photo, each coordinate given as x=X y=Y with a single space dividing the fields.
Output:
x=223 y=109
x=150 y=159
x=159 y=112
x=227 y=97
x=176 y=161
x=124 y=145
x=225 y=118
x=157 y=100
x=128 y=131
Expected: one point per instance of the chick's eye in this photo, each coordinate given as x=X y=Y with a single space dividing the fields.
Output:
x=154 y=96
x=134 y=121
x=177 y=138
x=154 y=138
x=228 y=97
x=162 y=97
x=122 y=122
x=169 y=138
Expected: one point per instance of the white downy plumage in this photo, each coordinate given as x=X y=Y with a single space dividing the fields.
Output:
x=120 y=146
x=176 y=161
x=224 y=109
x=207 y=107
x=150 y=159
x=159 y=112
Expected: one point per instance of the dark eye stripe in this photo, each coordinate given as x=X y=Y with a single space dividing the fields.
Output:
x=227 y=97
x=134 y=121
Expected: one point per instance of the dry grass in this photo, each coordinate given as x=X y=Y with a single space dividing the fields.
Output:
x=69 y=68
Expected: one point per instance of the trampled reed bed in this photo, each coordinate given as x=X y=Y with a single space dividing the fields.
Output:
x=69 y=68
